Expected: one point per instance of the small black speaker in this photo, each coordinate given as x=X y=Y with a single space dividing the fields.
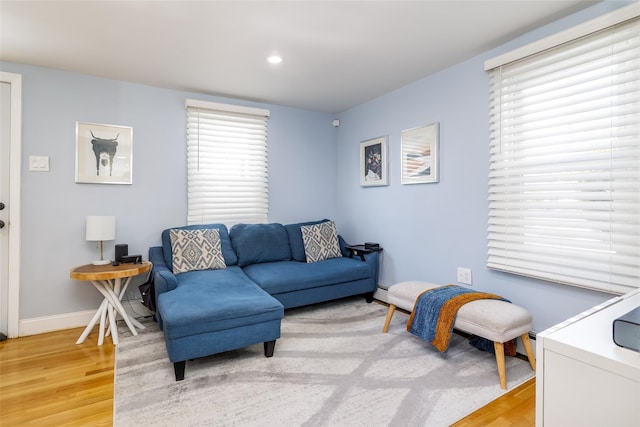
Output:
x=121 y=251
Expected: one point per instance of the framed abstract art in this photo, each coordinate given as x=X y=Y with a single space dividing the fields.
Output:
x=419 y=155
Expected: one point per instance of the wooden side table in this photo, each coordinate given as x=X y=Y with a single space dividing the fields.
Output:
x=108 y=280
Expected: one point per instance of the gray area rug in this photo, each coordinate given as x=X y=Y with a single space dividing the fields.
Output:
x=332 y=366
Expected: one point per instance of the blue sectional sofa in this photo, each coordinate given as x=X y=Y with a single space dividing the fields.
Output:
x=241 y=301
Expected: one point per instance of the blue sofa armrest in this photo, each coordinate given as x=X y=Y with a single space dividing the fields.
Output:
x=343 y=246
x=164 y=279
x=373 y=258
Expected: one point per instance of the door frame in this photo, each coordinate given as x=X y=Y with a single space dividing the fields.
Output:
x=13 y=223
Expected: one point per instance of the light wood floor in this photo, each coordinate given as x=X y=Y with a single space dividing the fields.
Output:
x=48 y=380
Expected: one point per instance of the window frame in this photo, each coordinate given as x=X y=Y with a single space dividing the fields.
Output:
x=515 y=229
x=227 y=163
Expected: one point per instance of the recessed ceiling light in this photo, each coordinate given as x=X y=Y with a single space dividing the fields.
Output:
x=274 y=59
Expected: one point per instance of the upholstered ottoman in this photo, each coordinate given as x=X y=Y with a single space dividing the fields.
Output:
x=495 y=320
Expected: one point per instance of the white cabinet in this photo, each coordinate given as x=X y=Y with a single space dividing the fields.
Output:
x=583 y=378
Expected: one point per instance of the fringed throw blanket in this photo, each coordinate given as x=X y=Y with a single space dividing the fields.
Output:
x=435 y=312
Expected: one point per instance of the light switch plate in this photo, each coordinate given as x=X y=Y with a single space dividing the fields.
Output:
x=39 y=163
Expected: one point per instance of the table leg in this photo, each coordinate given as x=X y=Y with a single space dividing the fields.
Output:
x=113 y=290
x=116 y=286
x=106 y=288
x=112 y=325
x=92 y=323
x=108 y=326
x=136 y=323
x=125 y=285
x=103 y=315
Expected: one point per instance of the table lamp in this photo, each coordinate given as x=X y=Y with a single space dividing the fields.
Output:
x=99 y=229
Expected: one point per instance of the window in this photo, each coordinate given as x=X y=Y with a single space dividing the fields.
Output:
x=227 y=180
x=564 y=178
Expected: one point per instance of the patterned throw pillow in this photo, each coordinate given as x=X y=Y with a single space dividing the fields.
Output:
x=196 y=250
x=320 y=241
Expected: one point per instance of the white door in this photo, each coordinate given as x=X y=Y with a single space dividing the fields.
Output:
x=10 y=154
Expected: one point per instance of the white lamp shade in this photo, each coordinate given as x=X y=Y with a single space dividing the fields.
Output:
x=101 y=228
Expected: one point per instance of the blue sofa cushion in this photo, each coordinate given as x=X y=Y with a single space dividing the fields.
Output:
x=214 y=300
x=259 y=243
x=286 y=276
x=295 y=238
x=230 y=257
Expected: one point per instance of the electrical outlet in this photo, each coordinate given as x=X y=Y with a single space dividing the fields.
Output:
x=464 y=275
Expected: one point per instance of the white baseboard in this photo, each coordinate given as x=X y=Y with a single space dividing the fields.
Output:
x=41 y=325
x=79 y=319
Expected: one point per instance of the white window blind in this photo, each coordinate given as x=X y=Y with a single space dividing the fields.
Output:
x=564 y=179
x=227 y=175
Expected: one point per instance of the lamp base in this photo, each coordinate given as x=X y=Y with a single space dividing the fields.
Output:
x=101 y=262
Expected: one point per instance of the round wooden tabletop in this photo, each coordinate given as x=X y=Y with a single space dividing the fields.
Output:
x=109 y=271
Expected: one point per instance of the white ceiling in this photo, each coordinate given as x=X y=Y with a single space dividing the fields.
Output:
x=337 y=54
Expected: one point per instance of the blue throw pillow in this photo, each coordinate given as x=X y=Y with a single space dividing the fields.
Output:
x=257 y=243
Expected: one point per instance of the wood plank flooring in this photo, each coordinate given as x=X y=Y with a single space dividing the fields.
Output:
x=516 y=408
x=48 y=380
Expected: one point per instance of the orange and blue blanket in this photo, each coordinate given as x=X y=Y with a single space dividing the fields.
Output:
x=435 y=311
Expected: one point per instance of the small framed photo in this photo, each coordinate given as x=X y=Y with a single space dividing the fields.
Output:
x=104 y=154
x=419 y=155
x=373 y=162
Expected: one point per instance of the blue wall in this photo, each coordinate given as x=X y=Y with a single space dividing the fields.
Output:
x=302 y=172
x=428 y=230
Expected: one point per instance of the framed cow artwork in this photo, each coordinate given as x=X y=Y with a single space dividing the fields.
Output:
x=104 y=153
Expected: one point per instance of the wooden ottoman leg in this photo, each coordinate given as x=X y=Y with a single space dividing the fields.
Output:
x=392 y=308
x=527 y=347
x=502 y=371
